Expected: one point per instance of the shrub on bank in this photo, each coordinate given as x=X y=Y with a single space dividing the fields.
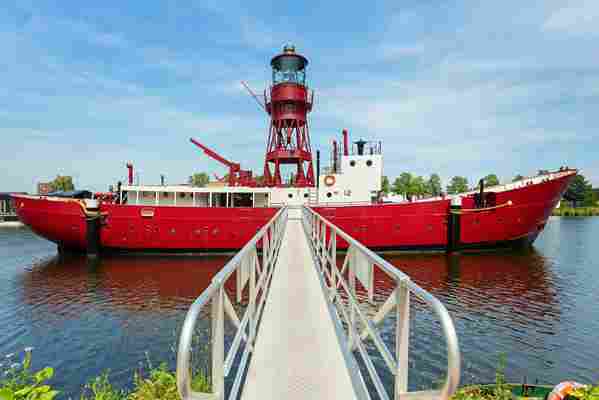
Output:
x=576 y=212
x=19 y=382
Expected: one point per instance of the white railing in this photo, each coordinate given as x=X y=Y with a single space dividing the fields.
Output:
x=249 y=270
x=360 y=263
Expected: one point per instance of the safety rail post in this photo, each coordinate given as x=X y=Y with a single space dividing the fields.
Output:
x=246 y=265
x=402 y=335
x=360 y=263
x=218 y=343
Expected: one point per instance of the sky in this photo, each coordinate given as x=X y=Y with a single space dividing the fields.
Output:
x=457 y=88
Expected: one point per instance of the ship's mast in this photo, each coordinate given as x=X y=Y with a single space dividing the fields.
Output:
x=288 y=103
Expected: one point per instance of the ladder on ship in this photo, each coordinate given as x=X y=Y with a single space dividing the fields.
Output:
x=305 y=332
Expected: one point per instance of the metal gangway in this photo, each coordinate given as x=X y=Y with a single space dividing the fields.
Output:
x=314 y=326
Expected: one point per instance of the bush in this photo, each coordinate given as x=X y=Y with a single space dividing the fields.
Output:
x=161 y=384
x=19 y=382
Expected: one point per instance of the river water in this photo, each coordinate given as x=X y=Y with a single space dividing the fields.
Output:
x=538 y=308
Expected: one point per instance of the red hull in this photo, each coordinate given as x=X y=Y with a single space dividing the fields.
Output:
x=418 y=225
x=423 y=225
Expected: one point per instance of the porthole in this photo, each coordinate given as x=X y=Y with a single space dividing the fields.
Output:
x=290 y=195
x=329 y=194
x=369 y=163
x=305 y=195
x=352 y=163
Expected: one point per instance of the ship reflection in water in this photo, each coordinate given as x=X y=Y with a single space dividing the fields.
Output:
x=500 y=303
x=539 y=308
x=161 y=285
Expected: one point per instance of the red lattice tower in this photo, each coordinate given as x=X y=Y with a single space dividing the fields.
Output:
x=288 y=105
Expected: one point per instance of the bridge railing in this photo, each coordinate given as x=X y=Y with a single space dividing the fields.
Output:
x=249 y=271
x=360 y=264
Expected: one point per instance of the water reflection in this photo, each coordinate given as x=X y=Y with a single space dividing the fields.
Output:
x=501 y=303
x=520 y=282
x=64 y=284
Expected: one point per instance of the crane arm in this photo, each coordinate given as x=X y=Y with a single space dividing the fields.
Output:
x=214 y=155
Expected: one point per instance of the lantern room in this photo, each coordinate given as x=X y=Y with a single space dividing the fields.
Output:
x=289 y=67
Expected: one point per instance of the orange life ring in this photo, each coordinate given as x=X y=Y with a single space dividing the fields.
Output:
x=563 y=389
x=329 y=180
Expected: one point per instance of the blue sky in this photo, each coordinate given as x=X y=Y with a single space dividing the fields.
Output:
x=459 y=88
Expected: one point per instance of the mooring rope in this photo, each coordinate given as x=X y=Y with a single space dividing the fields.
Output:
x=474 y=210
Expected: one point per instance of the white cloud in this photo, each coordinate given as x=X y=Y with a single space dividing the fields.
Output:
x=579 y=17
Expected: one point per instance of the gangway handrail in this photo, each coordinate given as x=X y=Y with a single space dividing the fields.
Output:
x=359 y=264
x=249 y=270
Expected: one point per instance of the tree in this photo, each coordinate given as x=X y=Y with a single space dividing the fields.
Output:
x=200 y=179
x=417 y=186
x=458 y=184
x=405 y=179
x=491 y=180
x=385 y=186
x=433 y=185
x=517 y=178
x=579 y=191
x=62 y=183
x=402 y=183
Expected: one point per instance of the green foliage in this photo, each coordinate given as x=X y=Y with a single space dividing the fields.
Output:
x=200 y=179
x=580 y=192
x=385 y=186
x=433 y=185
x=410 y=185
x=458 y=184
x=491 y=180
x=588 y=392
x=499 y=391
x=162 y=384
x=62 y=183
x=100 y=388
x=565 y=211
x=517 y=178
x=19 y=382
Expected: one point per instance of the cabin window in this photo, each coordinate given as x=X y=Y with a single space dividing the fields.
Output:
x=369 y=163
x=329 y=194
x=352 y=163
x=305 y=195
x=290 y=195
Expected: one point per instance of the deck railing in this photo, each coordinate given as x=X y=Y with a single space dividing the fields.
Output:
x=360 y=264
x=249 y=270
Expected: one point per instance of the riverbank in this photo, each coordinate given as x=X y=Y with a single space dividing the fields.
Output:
x=576 y=212
x=18 y=381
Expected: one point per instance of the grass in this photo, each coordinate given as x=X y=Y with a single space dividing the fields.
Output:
x=576 y=212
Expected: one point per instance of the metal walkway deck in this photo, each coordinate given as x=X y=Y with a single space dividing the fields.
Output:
x=309 y=328
x=297 y=354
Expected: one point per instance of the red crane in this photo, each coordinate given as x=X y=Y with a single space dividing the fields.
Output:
x=237 y=176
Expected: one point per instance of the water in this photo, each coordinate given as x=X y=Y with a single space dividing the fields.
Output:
x=540 y=308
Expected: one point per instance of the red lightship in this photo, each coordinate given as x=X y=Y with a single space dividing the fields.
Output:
x=185 y=218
